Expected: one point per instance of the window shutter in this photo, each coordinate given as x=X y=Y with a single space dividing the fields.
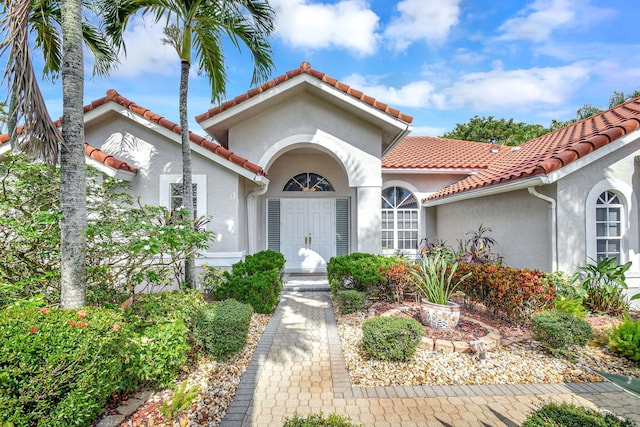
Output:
x=342 y=227
x=273 y=224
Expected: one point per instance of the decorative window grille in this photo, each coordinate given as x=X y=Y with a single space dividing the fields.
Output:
x=308 y=181
x=400 y=223
x=609 y=227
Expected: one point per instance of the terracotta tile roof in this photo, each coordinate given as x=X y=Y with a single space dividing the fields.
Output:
x=554 y=150
x=89 y=151
x=427 y=152
x=114 y=96
x=305 y=68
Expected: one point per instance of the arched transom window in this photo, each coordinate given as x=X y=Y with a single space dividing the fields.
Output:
x=609 y=227
x=399 y=219
x=308 y=181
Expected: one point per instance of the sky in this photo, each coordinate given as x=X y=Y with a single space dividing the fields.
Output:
x=440 y=61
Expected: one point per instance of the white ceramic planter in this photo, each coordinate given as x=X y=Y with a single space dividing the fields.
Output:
x=438 y=316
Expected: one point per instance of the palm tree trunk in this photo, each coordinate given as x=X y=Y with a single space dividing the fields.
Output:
x=187 y=191
x=73 y=199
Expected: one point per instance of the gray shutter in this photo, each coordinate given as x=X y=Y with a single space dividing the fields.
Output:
x=273 y=224
x=342 y=227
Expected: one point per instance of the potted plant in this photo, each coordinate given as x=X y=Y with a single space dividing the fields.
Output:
x=434 y=279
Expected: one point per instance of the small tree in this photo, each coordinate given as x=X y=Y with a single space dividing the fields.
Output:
x=128 y=244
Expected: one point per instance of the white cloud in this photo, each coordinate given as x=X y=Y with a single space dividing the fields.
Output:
x=347 y=24
x=539 y=20
x=499 y=89
x=415 y=94
x=145 y=51
x=422 y=20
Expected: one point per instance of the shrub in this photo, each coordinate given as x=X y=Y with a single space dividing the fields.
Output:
x=221 y=328
x=559 y=332
x=212 y=278
x=510 y=292
x=604 y=283
x=361 y=272
x=166 y=307
x=391 y=338
x=573 y=306
x=59 y=366
x=256 y=281
x=625 y=339
x=160 y=345
x=398 y=278
x=318 y=420
x=569 y=415
x=127 y=244
x=350 y=301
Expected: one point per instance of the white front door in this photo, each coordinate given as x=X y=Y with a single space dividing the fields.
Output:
x=307 y=233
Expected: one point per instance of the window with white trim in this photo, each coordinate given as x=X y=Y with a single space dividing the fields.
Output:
x=609 y=226
x=171 y=192
x=400 y=224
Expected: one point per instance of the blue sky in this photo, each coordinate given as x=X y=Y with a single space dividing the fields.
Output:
x=441 y=62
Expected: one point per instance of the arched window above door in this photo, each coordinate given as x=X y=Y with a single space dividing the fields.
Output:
x=400 y=224
x=308 y=181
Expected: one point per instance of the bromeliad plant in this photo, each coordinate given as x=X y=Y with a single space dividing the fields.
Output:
x=435 y=278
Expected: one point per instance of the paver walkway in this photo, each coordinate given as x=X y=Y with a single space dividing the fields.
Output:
x=298 y=367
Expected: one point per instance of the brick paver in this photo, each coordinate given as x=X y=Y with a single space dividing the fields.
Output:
x=298 y=367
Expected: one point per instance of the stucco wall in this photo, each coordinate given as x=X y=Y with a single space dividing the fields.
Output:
x=617 y=171
x=155 y=154
x=304 y=114
x=518 y=222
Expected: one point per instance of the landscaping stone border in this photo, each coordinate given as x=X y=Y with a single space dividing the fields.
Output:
x=486 y=343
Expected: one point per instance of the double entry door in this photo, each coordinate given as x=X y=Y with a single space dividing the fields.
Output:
x=307 y=233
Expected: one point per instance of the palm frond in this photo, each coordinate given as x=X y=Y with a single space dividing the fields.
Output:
x=40 y=136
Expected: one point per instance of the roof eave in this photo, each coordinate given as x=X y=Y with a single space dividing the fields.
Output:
x=490 y=190
x=219 y=124
x=109 y=171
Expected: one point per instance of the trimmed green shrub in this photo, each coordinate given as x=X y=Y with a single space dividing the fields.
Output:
x=221 y=328
x=160 y=344
x=559 y=331
x=361 y=272
x=58 y=367
x=256 y=281
x=156 y=355
x=318 y=420
x=570 y=415
x=391 y=338
x=625 y=339
x=350 y=301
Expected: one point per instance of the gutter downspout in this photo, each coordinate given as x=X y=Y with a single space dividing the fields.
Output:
x=252 y=214
x=554 y=225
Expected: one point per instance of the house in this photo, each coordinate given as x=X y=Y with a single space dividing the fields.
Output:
x=313 y=168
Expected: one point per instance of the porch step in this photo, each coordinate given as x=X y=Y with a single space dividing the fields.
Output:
x=305 y=282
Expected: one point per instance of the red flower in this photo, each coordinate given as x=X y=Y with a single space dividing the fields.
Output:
x=45 y=310
x=115 y=328
x=72 y=323
x=33 y=330
x=82 y=324
x=81 y=314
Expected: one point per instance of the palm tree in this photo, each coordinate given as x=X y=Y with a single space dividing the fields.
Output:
x=195 y=28
x=41 y=138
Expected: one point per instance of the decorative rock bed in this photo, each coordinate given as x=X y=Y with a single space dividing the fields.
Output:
x=480 y=345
